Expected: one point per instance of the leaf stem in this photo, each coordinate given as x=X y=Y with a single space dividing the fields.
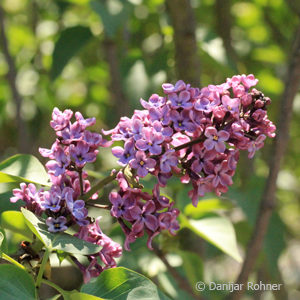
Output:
x=11 y=260
x=55 y=286
x=100 y=184
x=80 y=181
x=42 y=267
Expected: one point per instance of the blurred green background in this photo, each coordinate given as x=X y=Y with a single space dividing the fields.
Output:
x=101 y=57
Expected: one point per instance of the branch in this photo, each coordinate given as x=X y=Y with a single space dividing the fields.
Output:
x=186 y=53
x=102 y=206
x=224 y=25
x=23 y=142
x=181 y=281
x=120 y=101
x=292 y=85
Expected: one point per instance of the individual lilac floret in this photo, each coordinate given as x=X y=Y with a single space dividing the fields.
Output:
x=231 y=104
x=204 y=104
x=84 y=123
x=154 y=101
x=181 y=100
x=60 y=119
x=255 y=145
x=61 y=162
x=81 y=153
x=215 y=139
x=80 y=212
x=56 y=225
x=160 y=114
x=142 y=163
x=168 y=160
x=144 y=217
x=182 y=121
x=52 y=199
x=169 y=88
x=126 y=154
x=121 y=205
x=151 y=141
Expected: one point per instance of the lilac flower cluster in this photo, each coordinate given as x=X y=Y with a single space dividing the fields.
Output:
x=191 y=133
x=73 y=148
x=138 y=212
x=195 y=133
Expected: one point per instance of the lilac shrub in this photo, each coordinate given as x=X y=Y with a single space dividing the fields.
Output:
x=191 y=133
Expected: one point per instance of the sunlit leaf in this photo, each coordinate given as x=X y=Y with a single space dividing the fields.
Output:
x=74 y=295
x=218 y=231
x=205 y=206
x=23 y=168
x=123 y=284
x=15 y=222
x=58 y=241
x=71 y=40
x=16 y=283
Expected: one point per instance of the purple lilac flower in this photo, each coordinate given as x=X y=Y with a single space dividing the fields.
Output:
x=81 y=154
x=160 y=114
x=182 y=121
x=144 y=217
x=181 y=100
x=142 y=163
x=56 y=225
x=168 y=160
x=52 y=198
x=255 y=145
x=150 y=141
x=126 y=154
x=231 y=104
x=204 y=104
x=61 y=162
x=60 y=119
x=215 y=139
x=154 y=101
x=169 y=88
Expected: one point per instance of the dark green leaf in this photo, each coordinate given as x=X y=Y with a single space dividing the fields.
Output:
x=58 y=241
x=123 y=284
x=15 y=283
x=71 y=40
x=23 y=168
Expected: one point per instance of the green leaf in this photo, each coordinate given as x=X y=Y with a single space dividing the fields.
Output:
x=111 y=22
x=74 y=295
x=58 y=241
x=15 y=283
x=218 y=231
x=123 y=284
x=205 y=206
x=15 y=222
x=23 y=168
x=71 y=40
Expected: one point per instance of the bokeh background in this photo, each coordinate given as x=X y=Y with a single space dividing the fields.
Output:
x=101 y=57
